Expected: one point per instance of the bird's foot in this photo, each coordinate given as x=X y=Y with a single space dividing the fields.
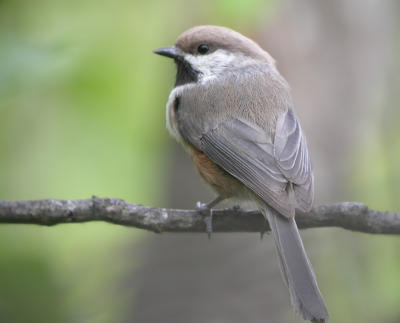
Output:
x=207 y=213
x=236 y=208
x=263 y=231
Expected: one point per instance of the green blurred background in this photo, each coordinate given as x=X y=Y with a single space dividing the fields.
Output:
x=82 y=113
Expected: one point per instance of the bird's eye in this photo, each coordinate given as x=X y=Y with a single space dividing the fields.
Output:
x=203 y=49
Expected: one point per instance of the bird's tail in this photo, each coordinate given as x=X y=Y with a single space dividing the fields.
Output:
x=296 y=268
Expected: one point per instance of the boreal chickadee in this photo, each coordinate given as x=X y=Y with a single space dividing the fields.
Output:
x=233 y=112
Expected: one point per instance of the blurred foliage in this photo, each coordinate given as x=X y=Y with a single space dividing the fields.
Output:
x=376 y=182
x=75 y=120
x=369 y=274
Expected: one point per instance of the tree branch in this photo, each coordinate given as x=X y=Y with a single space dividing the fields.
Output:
x=347 y=215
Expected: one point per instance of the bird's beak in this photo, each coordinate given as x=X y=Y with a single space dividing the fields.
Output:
x=172 y=52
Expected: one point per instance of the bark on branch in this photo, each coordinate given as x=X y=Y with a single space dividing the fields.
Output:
x=347 y=215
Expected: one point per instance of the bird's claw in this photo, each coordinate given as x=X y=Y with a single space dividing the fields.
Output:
x=201 y=207
x=263 y=231
x=207 y=213
x=236 y=208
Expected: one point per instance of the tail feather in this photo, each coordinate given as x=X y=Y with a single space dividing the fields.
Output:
x=296 y=268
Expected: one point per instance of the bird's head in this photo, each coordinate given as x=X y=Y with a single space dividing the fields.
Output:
x=204 y=53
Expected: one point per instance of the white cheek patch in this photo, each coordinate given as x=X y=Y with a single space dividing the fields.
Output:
x=211 y=65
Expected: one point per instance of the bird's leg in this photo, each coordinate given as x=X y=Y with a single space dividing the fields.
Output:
x=263 y=230
x=207 y=212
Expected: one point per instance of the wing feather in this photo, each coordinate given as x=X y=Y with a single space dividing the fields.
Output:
x=248 y=162
x=265 y=166
x=293 y=159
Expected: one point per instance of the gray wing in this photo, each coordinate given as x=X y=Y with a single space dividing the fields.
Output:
x=293 y=159
x=244 y=152
x=247 y=152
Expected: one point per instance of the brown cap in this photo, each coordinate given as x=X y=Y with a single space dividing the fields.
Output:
x=217 y=37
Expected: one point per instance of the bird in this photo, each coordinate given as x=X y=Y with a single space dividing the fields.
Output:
x=233 y=113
